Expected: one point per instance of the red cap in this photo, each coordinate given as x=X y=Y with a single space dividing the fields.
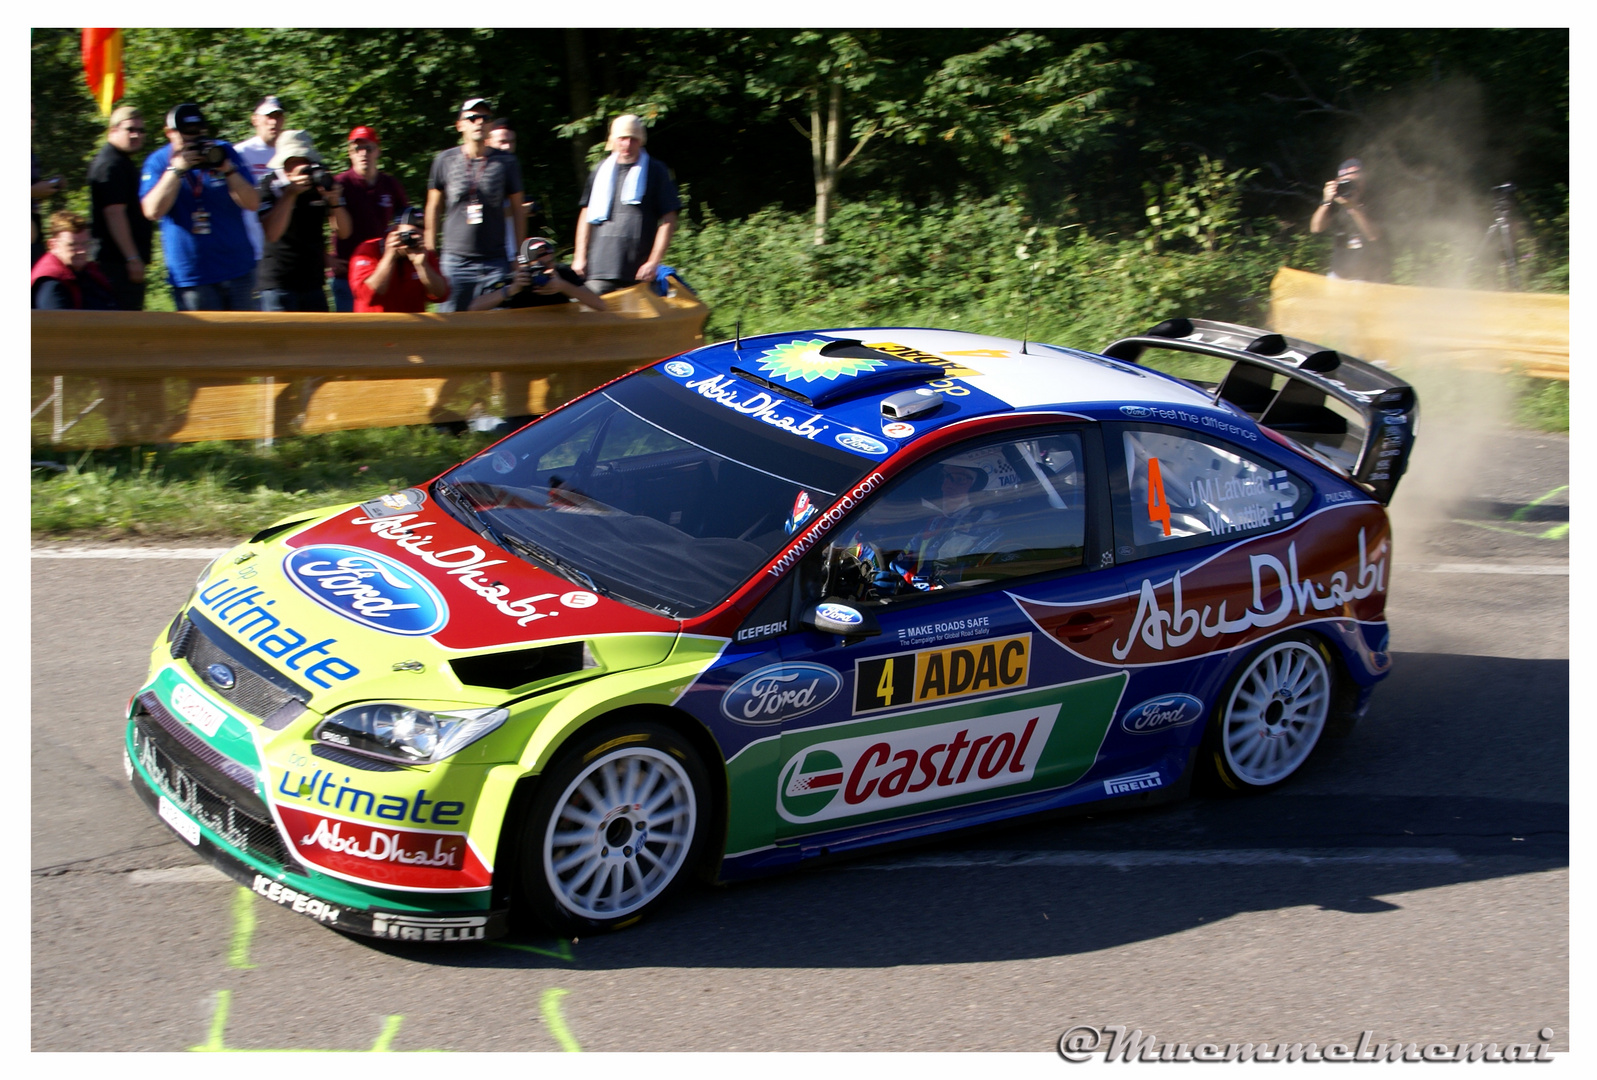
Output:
x=363 y=132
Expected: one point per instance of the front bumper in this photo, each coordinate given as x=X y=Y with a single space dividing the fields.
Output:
x=232 y=831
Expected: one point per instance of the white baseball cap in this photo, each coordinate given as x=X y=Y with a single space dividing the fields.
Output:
x=269 y=104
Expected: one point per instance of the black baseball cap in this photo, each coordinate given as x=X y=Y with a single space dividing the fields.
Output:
x=410 y=215
x=186 y=115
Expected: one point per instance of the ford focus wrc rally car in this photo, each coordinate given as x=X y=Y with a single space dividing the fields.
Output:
x=779 y=597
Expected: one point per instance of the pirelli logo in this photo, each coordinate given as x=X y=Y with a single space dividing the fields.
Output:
x=931 y=676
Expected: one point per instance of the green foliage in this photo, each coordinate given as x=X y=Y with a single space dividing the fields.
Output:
x=228 y=488
x=1542 y=404
x=1203 y=210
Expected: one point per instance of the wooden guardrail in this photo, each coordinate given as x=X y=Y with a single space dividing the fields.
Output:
x=121 y=378
x=1528 y=332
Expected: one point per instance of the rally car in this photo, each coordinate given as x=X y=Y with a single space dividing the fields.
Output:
x=778 y=597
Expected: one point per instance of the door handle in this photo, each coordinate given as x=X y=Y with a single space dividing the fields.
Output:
x=1081 y=626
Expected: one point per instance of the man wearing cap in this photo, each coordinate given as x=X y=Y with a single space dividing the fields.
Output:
x=119 y=227
x=1357 y=252
x=267 y=120
x=397 y=272
x=373 y=197
x=200 y=193
x=294 y=209
x=629 y=212
x=466 y=189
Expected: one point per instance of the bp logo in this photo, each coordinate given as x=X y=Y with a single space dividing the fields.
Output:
x=367 y=588
x=801 y=361
x=812 y=782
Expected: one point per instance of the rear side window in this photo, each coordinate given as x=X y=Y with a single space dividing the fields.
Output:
x=1176 y=490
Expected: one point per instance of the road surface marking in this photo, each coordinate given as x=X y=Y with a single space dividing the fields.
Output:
x=1548 y=569
x=128 y=553
x=1127 y=860
x=557 y=1024
x=180 y=875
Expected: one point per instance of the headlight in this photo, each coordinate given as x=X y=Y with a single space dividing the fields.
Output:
x=405 y=733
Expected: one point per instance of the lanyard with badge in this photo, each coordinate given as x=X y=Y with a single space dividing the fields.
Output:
x=199 y=218
x=473 y=203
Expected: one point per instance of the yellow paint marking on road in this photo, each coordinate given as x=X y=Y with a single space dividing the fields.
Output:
x=216 y=1043
x=557 y=1024
x=560 y=952
x=238 y=953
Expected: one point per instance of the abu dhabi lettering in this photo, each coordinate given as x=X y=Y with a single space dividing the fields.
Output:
x=762 y=406
x=384 y=846
x=465 y=563
x=1158 y=627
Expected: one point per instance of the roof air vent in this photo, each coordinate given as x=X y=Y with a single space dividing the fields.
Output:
x=1172 y=328
x=909 y=404
x=1323 y=361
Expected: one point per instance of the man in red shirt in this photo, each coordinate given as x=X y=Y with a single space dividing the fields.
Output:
x=397 y=273
x=373 y=199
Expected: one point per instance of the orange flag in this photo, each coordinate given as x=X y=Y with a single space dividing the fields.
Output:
x=102 y=65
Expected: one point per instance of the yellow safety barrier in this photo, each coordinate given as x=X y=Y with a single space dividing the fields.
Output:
x=1501 y=330
x=107 y=378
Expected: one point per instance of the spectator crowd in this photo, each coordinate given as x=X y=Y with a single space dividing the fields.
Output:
x=269 y=224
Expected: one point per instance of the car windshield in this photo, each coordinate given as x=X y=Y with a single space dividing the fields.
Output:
x=649 y=493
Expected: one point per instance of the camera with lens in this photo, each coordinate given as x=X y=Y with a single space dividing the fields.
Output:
x=212 y=156
x=534 y=248
x=321 y=177
x=1345 y=188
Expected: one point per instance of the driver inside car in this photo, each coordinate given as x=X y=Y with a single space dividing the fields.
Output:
x=928 y=559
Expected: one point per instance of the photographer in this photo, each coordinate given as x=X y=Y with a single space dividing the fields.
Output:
x=296 y=201
x=537 y=281
x=1357 y=253
x=396 y=272
x=197 y=188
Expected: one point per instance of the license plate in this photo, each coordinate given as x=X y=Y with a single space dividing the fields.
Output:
x=186 y=826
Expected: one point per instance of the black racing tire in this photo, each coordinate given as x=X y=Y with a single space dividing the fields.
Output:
x=585 y=865
x=1271 y=715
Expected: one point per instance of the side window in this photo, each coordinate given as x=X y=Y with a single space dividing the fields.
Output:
x=982 y=514
x=1181 y=491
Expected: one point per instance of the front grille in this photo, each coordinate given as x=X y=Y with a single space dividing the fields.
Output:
x=206 y=794
x=263 y=697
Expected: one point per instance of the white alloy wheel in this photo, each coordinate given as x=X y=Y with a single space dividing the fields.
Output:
x=619 y=833
x=1276 y=713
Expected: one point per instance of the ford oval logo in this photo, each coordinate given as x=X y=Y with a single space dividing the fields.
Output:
x=864 y=444
x=780 y=692
x=367 y=588
x=221 y=676
x=1162 y=713
x=680 y=368
x=1138 y=411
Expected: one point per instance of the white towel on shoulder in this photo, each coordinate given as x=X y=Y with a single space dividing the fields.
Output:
x=632 y=188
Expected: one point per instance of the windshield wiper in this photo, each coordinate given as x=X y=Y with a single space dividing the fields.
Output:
x=555 y=562
x=484 y=527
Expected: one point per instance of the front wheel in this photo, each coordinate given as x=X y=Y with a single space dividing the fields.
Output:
x=1272 y=714
x=616 y=821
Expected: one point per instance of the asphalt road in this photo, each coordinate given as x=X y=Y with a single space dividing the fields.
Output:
x=1413 y=880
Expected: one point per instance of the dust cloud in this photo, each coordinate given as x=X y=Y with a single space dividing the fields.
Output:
x=1429 y=173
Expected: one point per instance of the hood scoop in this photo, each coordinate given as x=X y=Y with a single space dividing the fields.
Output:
x=519 y=667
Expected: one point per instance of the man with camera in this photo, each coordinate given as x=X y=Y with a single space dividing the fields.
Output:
x=1357 y=253
x=397 y=272
x=296 y=201
x=373 y=197
x=466 y=189
x=537 y=281
x=119 y=227
x=197 y=187
x=267 y=119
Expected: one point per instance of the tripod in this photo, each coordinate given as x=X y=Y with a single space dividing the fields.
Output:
x=1501 y=234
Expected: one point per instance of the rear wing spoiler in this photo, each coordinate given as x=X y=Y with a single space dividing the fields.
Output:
x=1289 y=386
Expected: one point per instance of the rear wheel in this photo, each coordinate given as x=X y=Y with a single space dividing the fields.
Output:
x=616 y=823
x=1272 y=714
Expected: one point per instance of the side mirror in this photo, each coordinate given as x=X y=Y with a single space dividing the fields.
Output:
x=836 y=617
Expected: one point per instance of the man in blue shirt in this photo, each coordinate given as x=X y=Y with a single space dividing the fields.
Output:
x=200 y=191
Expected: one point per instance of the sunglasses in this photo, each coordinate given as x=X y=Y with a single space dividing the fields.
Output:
x=474 y=117
x=134 y=130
